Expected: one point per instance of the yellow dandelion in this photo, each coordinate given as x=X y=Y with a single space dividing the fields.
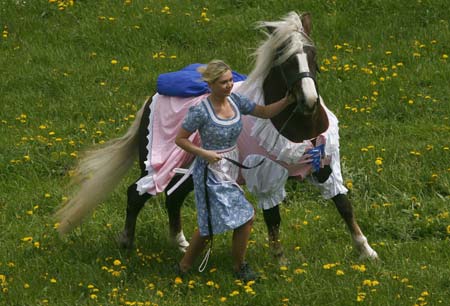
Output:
x=299 y=271
x=27 y=239
x=117 y=262
x=448 y=229
x=360 y=268
x=361 y=296
x=53 y=280
x=223 y=299
x=444 y=56
x=349 y=185
x=339 y=272
x=115 y=273
x=178 y=280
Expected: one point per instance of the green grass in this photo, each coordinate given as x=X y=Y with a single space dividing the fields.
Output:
x=385 y=74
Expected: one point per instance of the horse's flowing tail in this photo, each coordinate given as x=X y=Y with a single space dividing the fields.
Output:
x=98 y=174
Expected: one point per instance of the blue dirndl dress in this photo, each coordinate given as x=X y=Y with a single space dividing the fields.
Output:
x=228 y=206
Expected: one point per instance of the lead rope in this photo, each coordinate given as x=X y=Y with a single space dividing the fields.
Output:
x=205 y=260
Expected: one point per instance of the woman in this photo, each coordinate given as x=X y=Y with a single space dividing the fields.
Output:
x=218 y=120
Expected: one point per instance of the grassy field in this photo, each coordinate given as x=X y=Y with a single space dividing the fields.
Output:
x=73 y=74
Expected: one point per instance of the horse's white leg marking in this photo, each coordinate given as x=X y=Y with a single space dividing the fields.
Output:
x=180 y=241
x=365 y=250
x=308 y=86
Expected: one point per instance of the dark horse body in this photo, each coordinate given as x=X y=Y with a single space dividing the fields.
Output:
x=305 y=120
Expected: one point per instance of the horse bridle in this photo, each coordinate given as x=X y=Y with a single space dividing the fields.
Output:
x=289 y=84
x=298 y=77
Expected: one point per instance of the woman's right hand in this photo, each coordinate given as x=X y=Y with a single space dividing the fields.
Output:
x=211 y=156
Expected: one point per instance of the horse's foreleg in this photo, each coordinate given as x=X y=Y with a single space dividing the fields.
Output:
x=345 y=209
x=174 y=202
x=135 y=202
x=272 y=219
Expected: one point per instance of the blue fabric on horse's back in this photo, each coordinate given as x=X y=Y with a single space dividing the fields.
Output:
x=186 y=82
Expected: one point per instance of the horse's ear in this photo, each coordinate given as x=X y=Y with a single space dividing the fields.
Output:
x=307 y=23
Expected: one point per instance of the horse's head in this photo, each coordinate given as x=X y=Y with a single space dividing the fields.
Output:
x=286 y=62
x=295 y=58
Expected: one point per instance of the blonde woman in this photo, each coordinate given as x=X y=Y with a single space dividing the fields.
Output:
x=221 y=204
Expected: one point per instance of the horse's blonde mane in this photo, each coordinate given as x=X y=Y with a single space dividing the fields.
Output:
x=288 y=32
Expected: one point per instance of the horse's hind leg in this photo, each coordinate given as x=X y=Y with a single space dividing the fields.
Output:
x=135 y=202
x=174 y=202
x=272 y=219
x=345 y=209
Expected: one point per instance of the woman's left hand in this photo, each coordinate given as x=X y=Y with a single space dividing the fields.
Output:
x=289 y=98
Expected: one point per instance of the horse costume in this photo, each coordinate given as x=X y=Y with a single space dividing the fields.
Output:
x=301 y=142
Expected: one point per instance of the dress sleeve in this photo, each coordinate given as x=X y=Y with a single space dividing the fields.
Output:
x=194 y=118
x=243 y=103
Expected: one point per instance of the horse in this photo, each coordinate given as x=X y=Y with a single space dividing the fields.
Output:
x=299 y=143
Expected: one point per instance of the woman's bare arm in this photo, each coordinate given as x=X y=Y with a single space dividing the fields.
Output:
x=269 y=111
x=182 y=140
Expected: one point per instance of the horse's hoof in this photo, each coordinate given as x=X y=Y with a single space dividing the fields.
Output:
x=180 y=241
x=124 y=242
x=278 y=254
x=371 y=255
x=365 y=250
x=282 y=260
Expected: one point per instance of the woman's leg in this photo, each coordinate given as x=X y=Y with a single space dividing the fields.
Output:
x=239 y=244
x=196 y=247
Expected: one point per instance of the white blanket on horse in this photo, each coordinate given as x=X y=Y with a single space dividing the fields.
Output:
x=258 y=137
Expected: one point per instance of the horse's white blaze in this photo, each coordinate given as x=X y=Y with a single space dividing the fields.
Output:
x=308 y=86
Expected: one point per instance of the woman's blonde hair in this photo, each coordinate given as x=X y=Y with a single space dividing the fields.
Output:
x=214 y=70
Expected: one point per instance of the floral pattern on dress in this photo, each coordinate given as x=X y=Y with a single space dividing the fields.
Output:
x=228 y=205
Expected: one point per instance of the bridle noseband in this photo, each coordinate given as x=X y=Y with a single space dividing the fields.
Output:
x=298 y=77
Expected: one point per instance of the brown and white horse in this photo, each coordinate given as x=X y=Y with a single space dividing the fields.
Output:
x=285 y=62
